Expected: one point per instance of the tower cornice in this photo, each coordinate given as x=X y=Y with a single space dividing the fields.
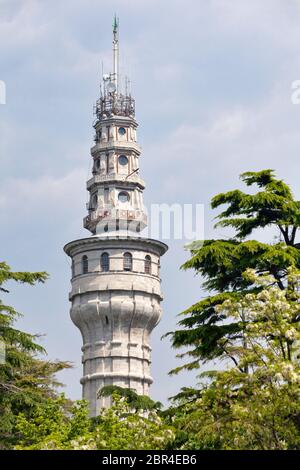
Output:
x=76 y=246
x=118 y=120
x=122 y=181
x=115 y=145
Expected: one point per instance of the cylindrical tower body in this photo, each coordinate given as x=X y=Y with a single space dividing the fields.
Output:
x=115 y=304
x=115 y=291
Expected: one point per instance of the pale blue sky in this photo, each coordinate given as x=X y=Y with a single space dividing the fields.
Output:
x=212 y=82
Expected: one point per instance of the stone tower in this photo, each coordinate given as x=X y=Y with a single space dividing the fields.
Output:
x=115 y=292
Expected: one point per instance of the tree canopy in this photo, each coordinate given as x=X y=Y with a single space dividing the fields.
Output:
x=116 y=428
x=221 y=263
x=254 y=404
x=135 y=401
x=25 y=378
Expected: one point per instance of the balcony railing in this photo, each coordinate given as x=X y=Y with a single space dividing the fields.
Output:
x=115 y=214
x=135 y=178
x=112 y=215
x=105 y=144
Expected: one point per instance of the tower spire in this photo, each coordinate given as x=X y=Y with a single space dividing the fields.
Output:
x=116 y=52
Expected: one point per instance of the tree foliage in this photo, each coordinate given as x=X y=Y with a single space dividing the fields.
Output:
x=221 y=263
x=135 y=401
x=116 y=428
x=255 y=404
x=25 y=379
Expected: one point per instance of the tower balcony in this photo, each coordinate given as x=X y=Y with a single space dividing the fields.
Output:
x=115 y=178
x=115 y=218
x=112 y=144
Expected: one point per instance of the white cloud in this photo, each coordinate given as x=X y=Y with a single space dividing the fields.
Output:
x=197 y=160
x=43 y=196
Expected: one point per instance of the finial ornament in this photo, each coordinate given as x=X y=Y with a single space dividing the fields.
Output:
x=115 y=24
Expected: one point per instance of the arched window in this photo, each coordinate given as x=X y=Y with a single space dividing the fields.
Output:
x=127 y=262
x=123 y=196
x=73 y=268
x=85 y=264
x=104 y=262
x=93 y=202
x=148 y=264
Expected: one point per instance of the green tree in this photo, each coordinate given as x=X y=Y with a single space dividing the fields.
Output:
x=116 y=428
x=54 y=424
x=255 y=404
x=202 y=330
x=25 y=379
x=135 y=401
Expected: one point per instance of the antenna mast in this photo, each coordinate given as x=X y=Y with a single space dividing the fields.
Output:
x=112 y=101
x=116 y=52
